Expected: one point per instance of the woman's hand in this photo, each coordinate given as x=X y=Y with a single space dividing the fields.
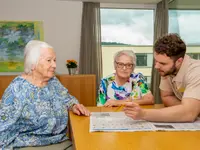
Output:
x=79 y=109
x=112 y=102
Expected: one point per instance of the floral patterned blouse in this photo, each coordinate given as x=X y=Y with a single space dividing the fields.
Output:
x=135 y=87
x=34 y=116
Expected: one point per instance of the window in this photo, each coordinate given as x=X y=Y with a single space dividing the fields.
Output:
x=132 y=29
x=141 y=60
x=127 y=29
x=148 y=80
x=144 y=60
x=194 y=55
x=186 y=24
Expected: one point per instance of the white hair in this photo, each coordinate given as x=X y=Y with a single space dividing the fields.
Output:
x=129 y=53
x=32 y=52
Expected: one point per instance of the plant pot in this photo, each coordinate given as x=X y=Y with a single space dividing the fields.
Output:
x=72 y=71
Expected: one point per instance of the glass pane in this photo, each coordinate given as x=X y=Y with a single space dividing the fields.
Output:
x=186 y=23
x=148 y=80
x=127 y=27
x=141 y=60
x=194 y=55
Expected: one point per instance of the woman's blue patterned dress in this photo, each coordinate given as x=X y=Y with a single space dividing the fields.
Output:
x=34 y=116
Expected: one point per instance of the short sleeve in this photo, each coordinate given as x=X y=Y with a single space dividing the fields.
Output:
x=165 y=84
x=102 y=93
x=192 y=86
x=142 y=84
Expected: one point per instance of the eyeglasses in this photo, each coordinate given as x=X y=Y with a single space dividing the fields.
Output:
x=122 y=65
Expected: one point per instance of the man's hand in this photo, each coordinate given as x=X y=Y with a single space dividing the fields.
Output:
x=79 y=109
x=133 y=110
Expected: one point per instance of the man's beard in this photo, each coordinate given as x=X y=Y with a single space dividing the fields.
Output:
x=172 y=71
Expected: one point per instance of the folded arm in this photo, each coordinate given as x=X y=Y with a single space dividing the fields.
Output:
x=169 y=99
x=187 y=111
x=147 y=99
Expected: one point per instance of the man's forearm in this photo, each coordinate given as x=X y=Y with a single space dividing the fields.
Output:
x=170 y=101
x=169 y=114
x=144 y=102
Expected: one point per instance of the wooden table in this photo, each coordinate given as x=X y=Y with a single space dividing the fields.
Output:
x=84 y=140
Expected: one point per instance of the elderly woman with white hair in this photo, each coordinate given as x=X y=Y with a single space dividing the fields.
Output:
x=34 y=108
x=124 y=85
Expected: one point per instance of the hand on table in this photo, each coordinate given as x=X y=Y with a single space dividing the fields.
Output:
x=112 y=102
x=79 y=109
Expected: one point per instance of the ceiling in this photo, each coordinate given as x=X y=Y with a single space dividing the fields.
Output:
x=121 y=1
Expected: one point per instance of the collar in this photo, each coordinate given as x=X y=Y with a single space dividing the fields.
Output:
x=182 y=71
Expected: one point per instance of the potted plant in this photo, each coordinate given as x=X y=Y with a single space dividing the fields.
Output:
x=72 y=66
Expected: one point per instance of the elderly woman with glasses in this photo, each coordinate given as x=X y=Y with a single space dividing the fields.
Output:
x=124 y=85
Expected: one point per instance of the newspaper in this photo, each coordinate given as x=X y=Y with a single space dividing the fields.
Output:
x=119 y=122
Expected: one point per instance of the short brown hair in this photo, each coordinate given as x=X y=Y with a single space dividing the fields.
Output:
x=171 y=45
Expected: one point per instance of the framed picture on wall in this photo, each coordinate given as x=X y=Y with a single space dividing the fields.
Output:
x=14 y=35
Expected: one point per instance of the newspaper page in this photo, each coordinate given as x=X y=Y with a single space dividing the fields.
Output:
x=116 y=122
x=195 y=126
x=119 y=122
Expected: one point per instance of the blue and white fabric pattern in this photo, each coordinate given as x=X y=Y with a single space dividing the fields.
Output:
x=34 y=116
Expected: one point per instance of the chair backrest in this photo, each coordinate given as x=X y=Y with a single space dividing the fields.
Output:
x=83 y=87
x=4 y=82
